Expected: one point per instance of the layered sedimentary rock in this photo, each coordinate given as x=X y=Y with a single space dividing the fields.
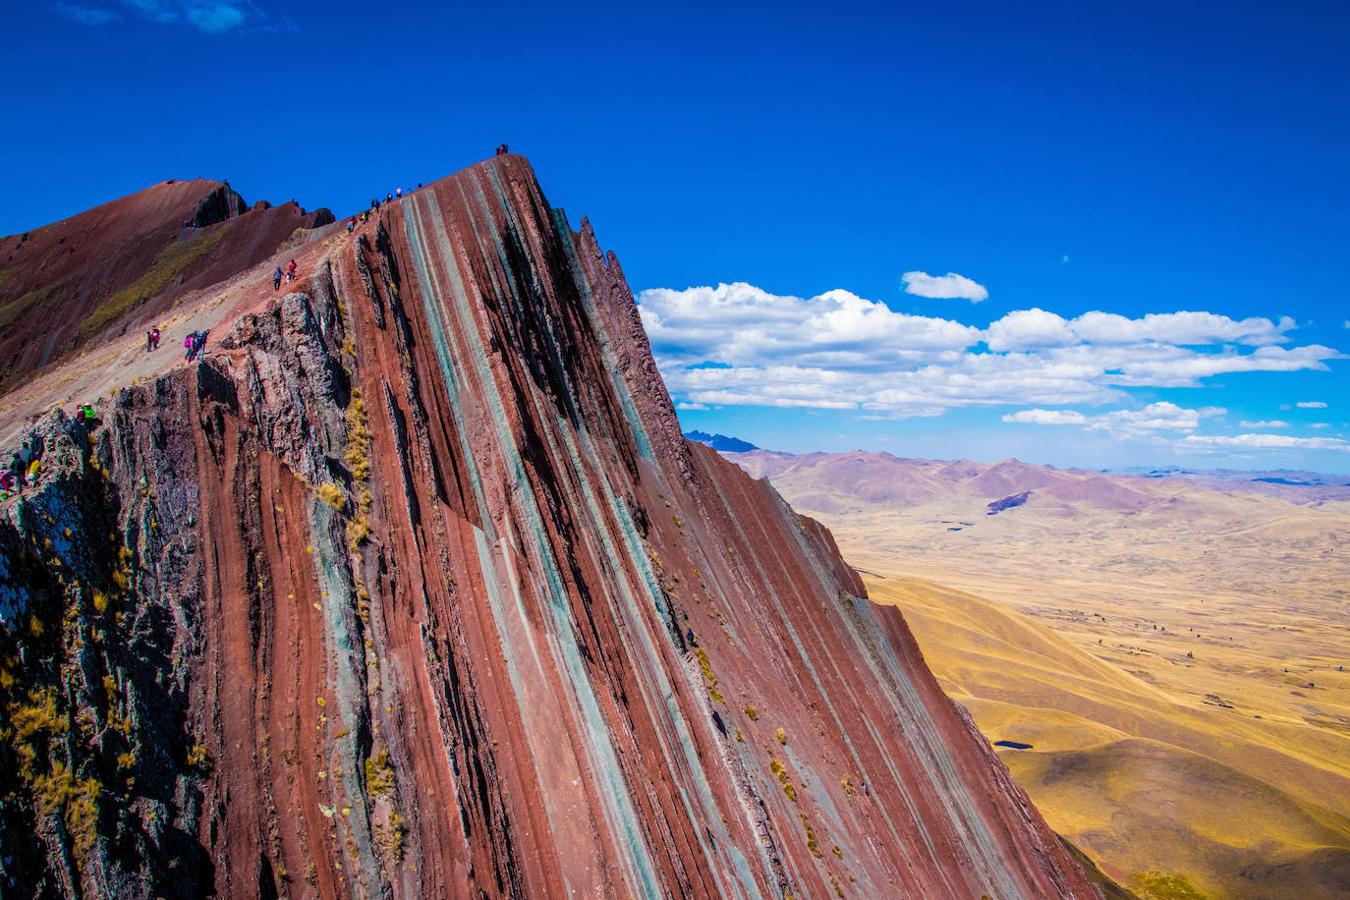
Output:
x=411 y=587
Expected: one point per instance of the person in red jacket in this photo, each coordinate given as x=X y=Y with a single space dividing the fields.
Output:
x=290 y=272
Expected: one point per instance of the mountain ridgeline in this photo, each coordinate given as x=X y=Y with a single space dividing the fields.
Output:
x=411 y=586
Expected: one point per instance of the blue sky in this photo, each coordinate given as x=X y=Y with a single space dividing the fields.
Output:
x=1066 y=159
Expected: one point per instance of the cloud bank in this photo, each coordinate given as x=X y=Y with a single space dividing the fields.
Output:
x=736 y=344
x=1264 y=442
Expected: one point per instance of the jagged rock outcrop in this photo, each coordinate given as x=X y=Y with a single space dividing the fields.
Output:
x=412 y=587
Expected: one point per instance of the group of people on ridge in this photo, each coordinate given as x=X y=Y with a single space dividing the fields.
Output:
x=291 y=269
x=24 y=466
x=194 y=343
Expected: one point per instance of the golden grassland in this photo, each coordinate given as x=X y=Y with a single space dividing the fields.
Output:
x=1165 y=794
x=1177 y=671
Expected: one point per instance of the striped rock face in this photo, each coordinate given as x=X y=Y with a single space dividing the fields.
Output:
x=411 y=587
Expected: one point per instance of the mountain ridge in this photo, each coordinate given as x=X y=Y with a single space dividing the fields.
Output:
x=424 y=526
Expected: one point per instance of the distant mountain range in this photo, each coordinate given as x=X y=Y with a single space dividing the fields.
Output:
x=834 y=482
x=720 y=442
x=1296 y=477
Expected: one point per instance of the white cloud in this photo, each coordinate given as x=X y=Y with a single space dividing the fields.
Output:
x=736 y=344
x=1320 y=425
x=1162 y=416
x=944 y=287
x=204 y=15
x=1047 y=417
x=739 y=324
x=1311 y=404
x=1154 y=417
x=215 y=17
x=1264 y=442
x=1187 y=328
x=1029 y=328
x=1026 y=329
x=87 y=15
x=1164 y=365
x=1264 y=423
x=691 y=406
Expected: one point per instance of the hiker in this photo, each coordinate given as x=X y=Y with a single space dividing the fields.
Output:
x=198 y=339
x=152 y=339
x=290 y=272
x=375 y=204
x=398 y=193
x=388 y=198
x=16 y=470
x=276 y=279
x=37 y=443
x=87 y=415
x=34 y=468
x=190 y=344
x=419 y=185
x=351 y=225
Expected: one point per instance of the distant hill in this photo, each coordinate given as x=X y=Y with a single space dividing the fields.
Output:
x=720 y=442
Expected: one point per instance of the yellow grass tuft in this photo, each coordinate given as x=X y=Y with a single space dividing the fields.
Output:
x=331 y=494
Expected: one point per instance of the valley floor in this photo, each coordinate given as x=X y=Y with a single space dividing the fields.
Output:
x=1176 y=671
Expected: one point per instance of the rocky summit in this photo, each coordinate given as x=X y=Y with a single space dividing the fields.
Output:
x=410 y=586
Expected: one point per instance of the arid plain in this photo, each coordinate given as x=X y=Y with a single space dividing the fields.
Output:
x=1170 y=648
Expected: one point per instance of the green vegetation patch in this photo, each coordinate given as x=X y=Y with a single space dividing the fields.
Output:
x=172 y=262
x=13 y=310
